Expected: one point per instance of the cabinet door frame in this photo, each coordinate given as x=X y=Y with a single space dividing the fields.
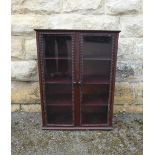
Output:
x=41 y=70
x=114 y=47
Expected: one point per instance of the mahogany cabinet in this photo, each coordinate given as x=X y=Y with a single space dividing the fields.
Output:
x=77 y=78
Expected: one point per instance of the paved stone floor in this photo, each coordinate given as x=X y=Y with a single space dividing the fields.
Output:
x=29 y=139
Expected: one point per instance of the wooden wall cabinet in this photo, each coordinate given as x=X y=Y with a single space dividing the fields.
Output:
x=77 y=78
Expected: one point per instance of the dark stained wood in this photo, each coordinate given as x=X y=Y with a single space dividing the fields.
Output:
x=77 y=78
x=75 y=30
x=40 y=77
x=113 y=71
x=77 y=89
x=77 y=128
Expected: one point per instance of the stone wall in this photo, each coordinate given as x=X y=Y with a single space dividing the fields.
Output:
x=77 y=14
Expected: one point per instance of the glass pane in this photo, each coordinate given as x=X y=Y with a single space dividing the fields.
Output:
x=96 y=68
x=59 y=103
x=94 y=103
x=95 y=115
x=58 y=79
x=58 y=70
x=95 y=94
x=59 y=115
x=95 y=71
x=58 y=94
x=97 y=46
x=58 y=46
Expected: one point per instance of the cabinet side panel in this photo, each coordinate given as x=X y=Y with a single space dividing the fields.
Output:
x=39 y=55
x=113 y=74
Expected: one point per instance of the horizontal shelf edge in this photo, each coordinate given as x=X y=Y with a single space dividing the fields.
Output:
x=93 y=105
x=59 y=105
x=58 y=58
x=82 y=105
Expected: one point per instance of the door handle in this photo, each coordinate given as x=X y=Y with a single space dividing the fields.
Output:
x=77 y=83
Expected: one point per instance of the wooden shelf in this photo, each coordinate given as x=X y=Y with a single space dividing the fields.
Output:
x=95 y=115
x=59 y=105
x=96 y=80
x=94 y=59
x=95 y=102
x=94 y=105
x=59 y=100
x=57 y=58
x=59 y=81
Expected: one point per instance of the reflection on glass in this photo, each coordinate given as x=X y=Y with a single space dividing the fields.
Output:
x=58 y=70
x=59 y=103
x=97 y=46
x=58 y=46
x=58 y=94
x=95 y=115
x=96 y=71
x=96 y=68
x=94 y=103
x=59 y=115
x=95 y=94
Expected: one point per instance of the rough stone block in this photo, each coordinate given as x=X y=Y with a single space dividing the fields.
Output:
x=23 y=23
x=37 y=7
x=15 y=107
x=72 y=5
x=128 y=93
x=126 y=108
x=31 y=108
x=100 y=22
x=119 y=7
x=64 y=21
x=91 y=22
x=25 y=92
x=131 y=26
x=130 y=49
x=138 y=93
x=84 y=6
x=30 y=49
x=139 y=48
x=123 y=93
x=24 y=70
x=17 y=47
x=129 y=70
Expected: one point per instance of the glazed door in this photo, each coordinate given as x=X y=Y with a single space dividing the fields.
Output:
x=58 y=57
x=96 y=56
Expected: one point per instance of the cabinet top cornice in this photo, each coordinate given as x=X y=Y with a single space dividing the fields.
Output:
x=76 y=30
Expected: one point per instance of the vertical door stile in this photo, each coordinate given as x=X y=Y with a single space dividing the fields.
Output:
x=38 y=37
x=74 y=77
x=42 y=67
x=77 y=79
x=81 y=74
